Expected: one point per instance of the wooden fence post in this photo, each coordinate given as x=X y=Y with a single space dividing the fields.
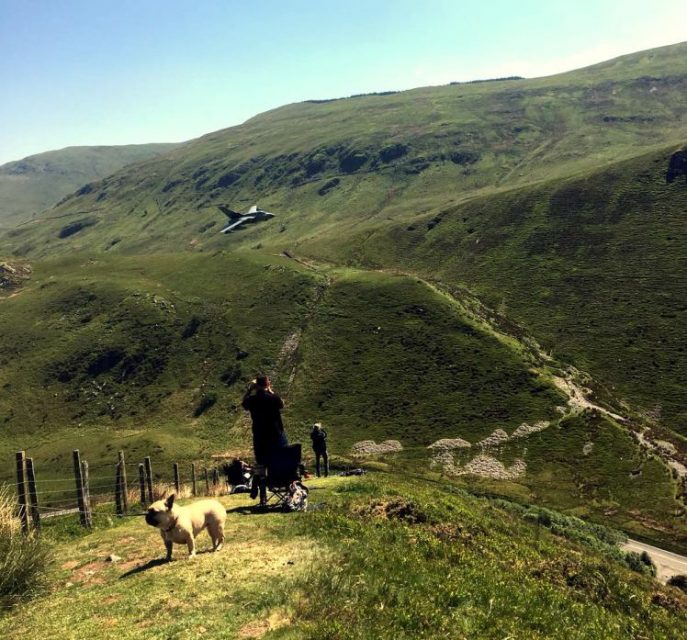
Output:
x=21 y=491
x=33 y=494
x=207 y=482
x=142 y=483
x=215 y=477
x=86 y=494
x=149 y=478
x=79 y=486
x=124 y=483
x=193 y=479
x=118 y=489
x=177 y=484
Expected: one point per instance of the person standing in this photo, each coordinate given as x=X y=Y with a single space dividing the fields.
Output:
x=319 y=444
x=265 y=408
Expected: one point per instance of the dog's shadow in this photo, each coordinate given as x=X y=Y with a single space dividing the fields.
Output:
x=157 y=562
x=151 y=564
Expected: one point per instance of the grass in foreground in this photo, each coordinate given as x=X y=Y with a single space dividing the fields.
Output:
x=377 y=557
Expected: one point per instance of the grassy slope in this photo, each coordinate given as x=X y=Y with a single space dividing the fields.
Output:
x=592 y=266
x=109 y=350
x=469 y=569
x=377 y=216
x=552 y=255
x=122 y=352
x=129 y=348
x=385 y=356
x=29 y=186
x=456 y=140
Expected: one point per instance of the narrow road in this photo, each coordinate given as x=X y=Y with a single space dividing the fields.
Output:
x=668 y=564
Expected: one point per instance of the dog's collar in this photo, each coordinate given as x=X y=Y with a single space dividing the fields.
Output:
x=174 y=524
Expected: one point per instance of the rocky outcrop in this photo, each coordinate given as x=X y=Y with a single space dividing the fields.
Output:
x=525 y=429
x=483 y=466
x=499 y=436
x=370 y=447
x=12 y=275
x=677 y=166
x=448 y=444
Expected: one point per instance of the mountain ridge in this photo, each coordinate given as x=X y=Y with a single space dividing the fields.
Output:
x=36 y=182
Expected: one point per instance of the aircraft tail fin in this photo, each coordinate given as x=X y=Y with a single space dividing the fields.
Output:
x=230 y=213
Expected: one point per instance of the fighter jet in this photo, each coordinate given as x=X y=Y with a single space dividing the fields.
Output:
x=236 y=220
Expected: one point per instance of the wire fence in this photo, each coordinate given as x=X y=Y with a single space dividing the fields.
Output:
x=130 y=486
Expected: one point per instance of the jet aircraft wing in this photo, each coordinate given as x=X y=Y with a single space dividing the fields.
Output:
x=235 y=225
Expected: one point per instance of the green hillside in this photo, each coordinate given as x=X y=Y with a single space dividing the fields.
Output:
x=377 y=557
x=37 y=182
x=445 y=263
x=593 y=266
x=374 y=157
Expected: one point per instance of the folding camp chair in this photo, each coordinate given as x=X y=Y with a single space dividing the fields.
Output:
x=282 y=470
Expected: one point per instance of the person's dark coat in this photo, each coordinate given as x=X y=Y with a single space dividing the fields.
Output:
x=268 y=430
x=319 y=440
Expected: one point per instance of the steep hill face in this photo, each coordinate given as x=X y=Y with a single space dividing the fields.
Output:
x=37 y=182
x=592 y=266
x=324 y=163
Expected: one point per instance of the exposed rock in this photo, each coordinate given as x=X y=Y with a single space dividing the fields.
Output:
x=666 y=447
x=448 y=444
x=416 y=166
x=588 y=448
x=393 y=152
x=464 y=157
x=75 y=227
x=370 y=447
x=12 y=274
x=328 y=186
x=86 y=189
x=525 y=429
x=112 y=558
x=398 y=509
x=489 y=467
x=499 y=436
x=170 y=185
x=352 y=161
x=315 y=164
x=483 y=465
x=677 y=166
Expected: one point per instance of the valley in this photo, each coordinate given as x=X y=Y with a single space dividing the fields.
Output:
x=447 y=263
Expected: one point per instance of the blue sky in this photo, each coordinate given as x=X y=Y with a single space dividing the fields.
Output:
x=79 y=72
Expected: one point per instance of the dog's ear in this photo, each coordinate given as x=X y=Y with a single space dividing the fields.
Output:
x=169 y=503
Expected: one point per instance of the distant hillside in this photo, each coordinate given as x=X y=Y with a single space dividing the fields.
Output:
x=30 y=185
x=373 y=157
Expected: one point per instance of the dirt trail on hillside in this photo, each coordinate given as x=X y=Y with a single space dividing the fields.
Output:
x=578 y=398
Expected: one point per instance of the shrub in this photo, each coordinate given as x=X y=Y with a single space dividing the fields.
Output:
x=640 y=562
x=23 y=559
x=679 y=581
x=207 y=400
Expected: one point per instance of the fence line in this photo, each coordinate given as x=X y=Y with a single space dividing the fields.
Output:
x=85 y=493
